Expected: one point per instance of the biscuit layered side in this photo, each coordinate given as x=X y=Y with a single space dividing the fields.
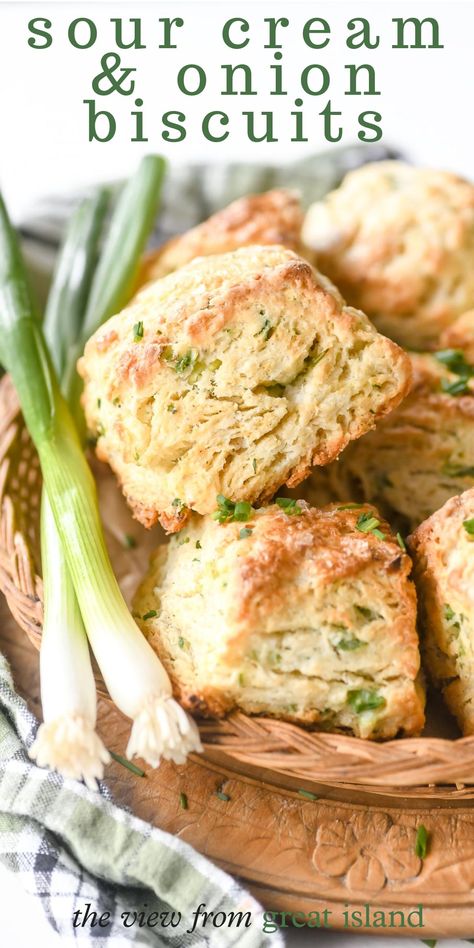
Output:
x=301 y=616
x=233 y=376
x=274 y=217
x=398 y=241
x=442 y=549
x=417 y=457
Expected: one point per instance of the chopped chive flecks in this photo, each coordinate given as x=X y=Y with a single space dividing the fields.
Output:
x=367 y=523
x=401 y=542
x=222 y=796
x=365 y=699
x=228 y=511
x=421 y=842
x=288 y=505
x=350 y=644
x=129 y=541
x=455 y=362
x=128 y=764
x=245 y=532
x=308 y=795
x=138 y=331
x=150 y=614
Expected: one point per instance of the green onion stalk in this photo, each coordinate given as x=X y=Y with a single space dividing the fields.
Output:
x=136 y=680
x=67 y=740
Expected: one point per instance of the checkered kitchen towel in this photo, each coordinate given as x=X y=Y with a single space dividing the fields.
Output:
x=70 y=847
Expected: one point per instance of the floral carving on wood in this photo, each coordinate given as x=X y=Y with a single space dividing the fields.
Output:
x=366 y=854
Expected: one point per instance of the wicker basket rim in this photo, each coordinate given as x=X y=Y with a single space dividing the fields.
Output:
x=265 y=743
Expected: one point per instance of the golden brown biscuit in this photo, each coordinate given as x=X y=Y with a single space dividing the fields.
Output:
x=274 y=217
x=295 y=614
x=399 y=243
x=460 y=335
x=417 y=457
x=233 y=375
x=443 y=552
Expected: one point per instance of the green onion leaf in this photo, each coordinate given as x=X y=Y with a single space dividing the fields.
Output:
x=183 y=801
x=469 y=526
x=72 y=278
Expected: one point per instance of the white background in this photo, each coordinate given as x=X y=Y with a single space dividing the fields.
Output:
x=426 y=103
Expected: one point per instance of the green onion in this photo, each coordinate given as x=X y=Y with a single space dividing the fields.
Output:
x=367 y=523
x=66 y=740
x=350 y=644
x=116 y=272
x=308 y=795
x=459 y=387
x=455 y=361
x=401 y=542
x=138 y=331
x=289 y=505
x=453 y=470
x=72 y=278
x=128 y=764
x=183 y=801
x=136 y=680
x=365 y=699
x=228 y=511
x=222 y=796
x=469 y=526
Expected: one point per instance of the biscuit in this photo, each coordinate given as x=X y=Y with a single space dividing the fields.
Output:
x=295 y=614
x=274 y=217
x=443 y=553
x=416 y=458
x=398 y=241
x=233 y=376
x=460 y=335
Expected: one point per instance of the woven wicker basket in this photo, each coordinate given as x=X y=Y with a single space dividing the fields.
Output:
x=279 y=747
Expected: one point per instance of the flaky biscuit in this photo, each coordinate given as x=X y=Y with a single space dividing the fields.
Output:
x=296 y=615
x=443 y=553
x=415 y=459
x=399 y=243
x=233 y=375
x=273 y=217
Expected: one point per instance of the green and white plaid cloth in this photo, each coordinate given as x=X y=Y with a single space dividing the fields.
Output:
x=71 y=847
